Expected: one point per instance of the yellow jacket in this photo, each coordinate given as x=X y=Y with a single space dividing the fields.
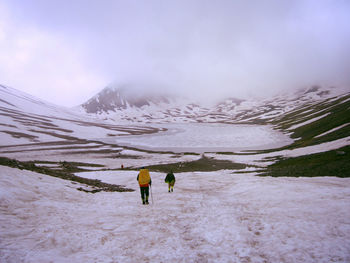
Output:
x=144 y=178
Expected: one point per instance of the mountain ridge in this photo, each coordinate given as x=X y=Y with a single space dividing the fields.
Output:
x=117 y=105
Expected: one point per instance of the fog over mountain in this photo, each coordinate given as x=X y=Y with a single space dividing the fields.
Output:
x=66 y=52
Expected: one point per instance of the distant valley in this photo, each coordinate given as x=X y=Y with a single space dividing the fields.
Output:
x=316 y=119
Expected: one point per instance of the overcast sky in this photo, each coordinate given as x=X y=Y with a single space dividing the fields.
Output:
x=65 y=51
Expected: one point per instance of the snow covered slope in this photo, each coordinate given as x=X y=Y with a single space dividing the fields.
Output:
x=26 y=119
x=235 y=218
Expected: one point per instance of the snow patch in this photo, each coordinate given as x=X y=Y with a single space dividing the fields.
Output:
x=307 y=122
x=332 y=130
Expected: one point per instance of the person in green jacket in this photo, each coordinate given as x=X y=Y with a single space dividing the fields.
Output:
x=170 y=180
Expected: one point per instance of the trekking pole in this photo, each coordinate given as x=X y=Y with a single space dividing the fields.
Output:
x=152 y=195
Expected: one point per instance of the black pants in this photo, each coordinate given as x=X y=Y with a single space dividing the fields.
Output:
x=144 y=193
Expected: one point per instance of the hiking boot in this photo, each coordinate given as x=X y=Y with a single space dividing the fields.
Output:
x=147 y=203
x=143 y=202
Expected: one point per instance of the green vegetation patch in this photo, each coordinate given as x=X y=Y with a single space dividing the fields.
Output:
x=309 y=134
x=338 y=115
x=331 y=163
x=204 y=164
x=66 y=173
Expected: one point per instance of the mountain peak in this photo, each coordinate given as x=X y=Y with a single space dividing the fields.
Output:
x=122 y=97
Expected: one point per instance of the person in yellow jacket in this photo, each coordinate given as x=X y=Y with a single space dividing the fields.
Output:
x=145 y=181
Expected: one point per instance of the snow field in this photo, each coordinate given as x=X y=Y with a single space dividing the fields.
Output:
x=210 y=217
x=201 y=137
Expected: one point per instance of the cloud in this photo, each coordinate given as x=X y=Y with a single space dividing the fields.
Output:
x=45 y=65
x=200 y=48
x=233 y=47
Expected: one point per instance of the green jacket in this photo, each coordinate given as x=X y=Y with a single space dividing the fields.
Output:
x=169 y=178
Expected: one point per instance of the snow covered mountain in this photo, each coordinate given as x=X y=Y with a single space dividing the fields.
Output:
x=121 y=106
